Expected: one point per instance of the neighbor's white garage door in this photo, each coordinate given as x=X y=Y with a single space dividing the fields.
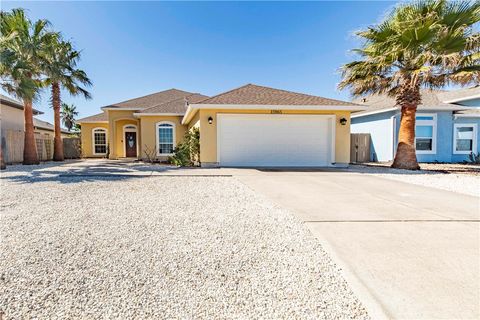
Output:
x=274 y=140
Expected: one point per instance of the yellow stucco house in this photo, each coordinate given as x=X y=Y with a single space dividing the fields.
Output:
x=251 y=126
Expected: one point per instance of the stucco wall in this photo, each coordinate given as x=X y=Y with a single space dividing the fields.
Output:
x=86 y=138
x=11 y=118
x=380 y=127
x=464 y=157
x=50 y=132
x=208 y=133
x=195 y=122
x=444 y=138
x=468 y=103
x=149 y=134
x=120 y=136
x=445 y=126
x=45 y=132
x=116 y=120
x=146 y=133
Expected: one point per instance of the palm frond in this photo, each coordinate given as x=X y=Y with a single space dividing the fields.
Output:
x=21 y=44
x=424 y=43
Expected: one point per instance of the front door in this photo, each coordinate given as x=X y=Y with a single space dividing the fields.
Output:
x=130 y=144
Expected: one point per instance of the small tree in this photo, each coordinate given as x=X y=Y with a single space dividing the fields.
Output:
x=77 y=128
x=59 y=65
x=187 y=153
x=150 y=154
x=68 y=114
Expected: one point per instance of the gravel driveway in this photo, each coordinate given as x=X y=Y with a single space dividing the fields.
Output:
x=169 y=247
x=467 y=182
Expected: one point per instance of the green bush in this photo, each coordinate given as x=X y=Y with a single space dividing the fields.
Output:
x=187 y=153
x=474 y=158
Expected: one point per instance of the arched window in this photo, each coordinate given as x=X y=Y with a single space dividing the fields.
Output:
x=99 y=141
x=165 y=138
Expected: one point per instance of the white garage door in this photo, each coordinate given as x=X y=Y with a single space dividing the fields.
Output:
x=274 y=140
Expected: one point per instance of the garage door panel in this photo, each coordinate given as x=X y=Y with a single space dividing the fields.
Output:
x=273 y=140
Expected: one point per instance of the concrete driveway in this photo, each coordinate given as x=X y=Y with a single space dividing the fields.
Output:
x=409 y=251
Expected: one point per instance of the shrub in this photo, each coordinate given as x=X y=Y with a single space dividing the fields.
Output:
x=150 y=154
x=187 y=153
x=474 y=158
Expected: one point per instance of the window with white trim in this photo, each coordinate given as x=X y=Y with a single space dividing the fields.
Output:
x=165 y=138
x=464 y=138
x=99 y=141
x=425 y=134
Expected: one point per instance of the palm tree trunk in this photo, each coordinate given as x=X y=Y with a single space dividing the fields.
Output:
x=57 y=140
x=405 y=158
x=2 y=160
x=29 y=149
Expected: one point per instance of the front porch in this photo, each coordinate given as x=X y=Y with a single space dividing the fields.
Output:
x=124 y=137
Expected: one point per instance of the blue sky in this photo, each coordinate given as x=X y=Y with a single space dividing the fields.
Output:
x=130 y=49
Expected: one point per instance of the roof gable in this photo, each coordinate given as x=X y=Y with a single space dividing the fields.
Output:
x=251 y=94
x=151 y=100
x=178 y=106
x=99 y=117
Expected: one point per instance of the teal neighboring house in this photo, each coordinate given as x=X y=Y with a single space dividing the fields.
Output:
x=446 y=125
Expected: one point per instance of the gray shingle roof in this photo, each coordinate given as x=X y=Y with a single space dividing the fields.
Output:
x=152 y=100
x=15 y=104
x=178 y=106
x=472 y=111
x=459 y=95
x=96 y=117
x=251 y=94
x=430 y=101
x=37 y=123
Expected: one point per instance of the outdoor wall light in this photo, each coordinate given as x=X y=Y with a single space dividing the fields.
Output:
x=343 y=121
x=210 y=120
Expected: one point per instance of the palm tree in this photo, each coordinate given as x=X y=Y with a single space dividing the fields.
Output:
x=69 y=112
x=2 y=160
x=21 y=45
x=59 y=67
x=77 y=128
x=428 y=44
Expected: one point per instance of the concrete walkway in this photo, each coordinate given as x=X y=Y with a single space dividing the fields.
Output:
x=410 y=252
x=104 y=167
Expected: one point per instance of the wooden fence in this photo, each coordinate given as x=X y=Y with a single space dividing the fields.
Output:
x=44 y=145
x=360 y=147
x=12 y=143
x=72 y=148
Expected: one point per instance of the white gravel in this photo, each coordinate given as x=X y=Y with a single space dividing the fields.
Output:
x=149 y=247
x=457 y=182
